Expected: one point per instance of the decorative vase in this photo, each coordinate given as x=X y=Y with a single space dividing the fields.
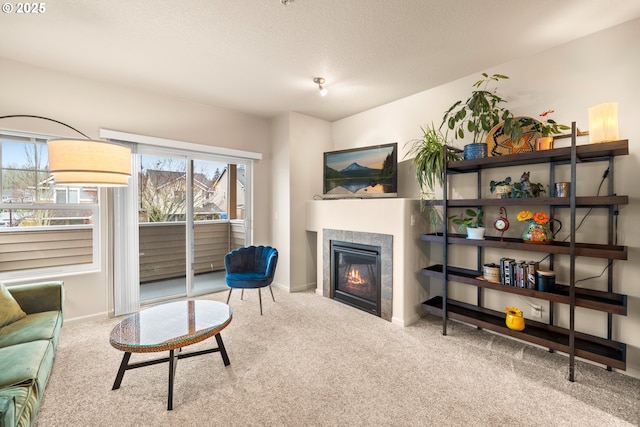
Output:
x=540 y=233
x=475 y=233
x=514 y=319
x=544 y=143
x=503 y=191
x=477 y=150
x=562 y=189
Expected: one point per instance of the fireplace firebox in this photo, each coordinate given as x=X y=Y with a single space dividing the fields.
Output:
x=355 y=275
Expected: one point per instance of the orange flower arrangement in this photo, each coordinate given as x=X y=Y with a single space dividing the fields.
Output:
x=537 y=229
x=540 y=218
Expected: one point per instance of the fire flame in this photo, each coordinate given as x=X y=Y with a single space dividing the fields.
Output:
x=354 y=277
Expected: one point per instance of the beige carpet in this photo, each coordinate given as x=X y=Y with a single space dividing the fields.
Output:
x=311 y=361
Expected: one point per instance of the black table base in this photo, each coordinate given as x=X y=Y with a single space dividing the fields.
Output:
x=173 y=358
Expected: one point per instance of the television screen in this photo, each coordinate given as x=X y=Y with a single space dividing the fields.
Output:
x=361 y=172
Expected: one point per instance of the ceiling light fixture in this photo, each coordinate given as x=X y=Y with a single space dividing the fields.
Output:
x=85 y=161
x=320 y=81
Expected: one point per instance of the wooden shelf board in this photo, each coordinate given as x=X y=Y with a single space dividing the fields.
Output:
x=562 y=248
x=587 y=201
x=584 y=152
x=600 y=350
x=587 y=298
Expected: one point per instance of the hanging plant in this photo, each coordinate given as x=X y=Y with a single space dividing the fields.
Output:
x=428 y=162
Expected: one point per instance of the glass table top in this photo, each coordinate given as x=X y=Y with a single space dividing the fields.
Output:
x=169 y=326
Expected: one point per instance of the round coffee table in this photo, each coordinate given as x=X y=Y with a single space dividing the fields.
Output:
x=168 y=327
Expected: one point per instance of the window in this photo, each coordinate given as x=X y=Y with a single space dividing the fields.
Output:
x=44 y=228
x=67 y=195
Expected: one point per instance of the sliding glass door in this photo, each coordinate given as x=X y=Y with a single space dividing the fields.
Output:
x=162 y=226
x=214 y=216
x=191 y=211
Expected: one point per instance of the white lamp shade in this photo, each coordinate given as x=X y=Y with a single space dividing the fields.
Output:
x=86 y=162
x=603 y=122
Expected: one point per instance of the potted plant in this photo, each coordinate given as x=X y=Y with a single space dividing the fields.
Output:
x=478 y=115
x=547 y=129
x=428 y=161
x=473 y=221
x=502 y=189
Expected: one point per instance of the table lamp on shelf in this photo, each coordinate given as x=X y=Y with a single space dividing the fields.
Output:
x=603 y=122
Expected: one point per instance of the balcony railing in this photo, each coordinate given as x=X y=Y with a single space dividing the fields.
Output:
x=163 y=247
x=26 y=248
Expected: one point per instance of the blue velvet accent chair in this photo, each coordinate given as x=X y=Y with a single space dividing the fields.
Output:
x=251 y=267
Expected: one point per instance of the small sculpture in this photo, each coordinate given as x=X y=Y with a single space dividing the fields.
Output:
x=514 y=318
x=526 y=188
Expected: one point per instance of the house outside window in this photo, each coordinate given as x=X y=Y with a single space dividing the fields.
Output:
x=44 y=228
x=67 y=195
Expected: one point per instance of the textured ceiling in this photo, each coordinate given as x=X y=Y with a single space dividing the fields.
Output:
x=260 y=56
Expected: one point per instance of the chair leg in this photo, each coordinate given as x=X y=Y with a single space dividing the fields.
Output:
x=229 y=296
x=260 y=298
x=271 y=290
x=242 y=294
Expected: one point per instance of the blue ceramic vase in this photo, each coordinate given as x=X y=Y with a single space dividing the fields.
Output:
x=477 y=150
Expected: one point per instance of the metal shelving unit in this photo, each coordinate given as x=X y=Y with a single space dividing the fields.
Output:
x=576 y=344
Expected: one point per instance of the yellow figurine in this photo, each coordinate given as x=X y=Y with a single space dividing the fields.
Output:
x=514 y=319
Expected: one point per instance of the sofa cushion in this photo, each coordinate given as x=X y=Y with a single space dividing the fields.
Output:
x=34 y=327
x=26 y=403
x=26 y=363
x=38 y=297
x=10 y=310
x=247 y=280
x=7 y=411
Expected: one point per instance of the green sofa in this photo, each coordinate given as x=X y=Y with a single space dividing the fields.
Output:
x=27 y=351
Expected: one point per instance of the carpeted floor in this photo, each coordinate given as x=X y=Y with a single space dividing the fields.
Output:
x=311 y=361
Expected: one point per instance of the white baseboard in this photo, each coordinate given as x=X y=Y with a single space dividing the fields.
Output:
x=401 y=322
x=298 y=288
x=94 y=316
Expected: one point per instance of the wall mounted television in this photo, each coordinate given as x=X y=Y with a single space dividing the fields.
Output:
x=365 y=172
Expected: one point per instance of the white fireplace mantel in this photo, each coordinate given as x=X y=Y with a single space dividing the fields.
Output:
x=400 y=218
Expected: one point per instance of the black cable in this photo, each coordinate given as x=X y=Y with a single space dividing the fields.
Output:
x=604 y=176
x=609 y=264
x=548 y=255
x=615 y=235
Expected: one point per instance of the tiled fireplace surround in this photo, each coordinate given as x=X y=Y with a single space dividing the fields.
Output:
x=384 y=241
x=393 y=218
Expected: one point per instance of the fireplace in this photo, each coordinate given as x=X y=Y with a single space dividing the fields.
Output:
x=356 y=275
x=382 y=243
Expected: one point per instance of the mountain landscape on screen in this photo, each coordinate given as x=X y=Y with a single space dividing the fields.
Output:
x=365 y=172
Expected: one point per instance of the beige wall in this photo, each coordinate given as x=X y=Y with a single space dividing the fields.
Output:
x=280 y=197
x=310 y=138
x=89 y=106
x=298 y=144
x=570 y=78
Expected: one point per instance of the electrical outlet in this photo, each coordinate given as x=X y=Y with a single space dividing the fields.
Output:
x=536 y=311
